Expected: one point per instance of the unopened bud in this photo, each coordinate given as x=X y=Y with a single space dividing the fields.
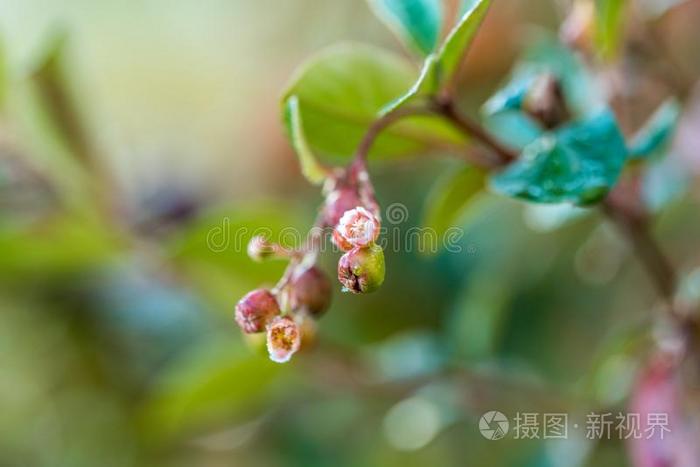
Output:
x=310 y=291
x=338 y=202
x=546 y=102
x=283 y=339
x=260 y=248
x=340 y=242
x=256 y=310
x=358 y=227
x=361 y=270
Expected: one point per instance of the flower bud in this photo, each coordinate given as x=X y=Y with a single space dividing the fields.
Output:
x=578 y=29
x=361 y=270
x=338 y=202
x=310 y=290
x=340 y=242
x=260 y=248
x=283 y=339
x=256 y=310
x=358 y=227
x=546 y=102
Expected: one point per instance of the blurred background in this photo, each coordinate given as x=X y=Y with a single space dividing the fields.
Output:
x=130 y=129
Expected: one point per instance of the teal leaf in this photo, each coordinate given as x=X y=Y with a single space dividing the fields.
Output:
x=514 y=129
x=416 y=22
x=342 y=91
x=578 y=163
x=657 y=133
x=451 y=197
x=455 y=47
x=310 y=167
x=609 y=25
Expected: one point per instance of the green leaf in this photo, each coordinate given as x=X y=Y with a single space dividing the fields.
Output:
x=342 y=91
x=450 y=55
x=609 y=25
x=514 y=129
x=578 y=163
x=310 y=167
x=657 y=133
x=426 y=86
x=416 y=22
x=451 y=197
x=440 y=67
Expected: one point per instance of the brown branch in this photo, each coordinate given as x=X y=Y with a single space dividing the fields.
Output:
x=447 y=109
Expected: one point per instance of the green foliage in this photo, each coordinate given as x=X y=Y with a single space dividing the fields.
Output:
x=310 y=167
x=578 y=163
x=655 y=137
x=341 y=91
x=416 y=22
x=608 y=26
x=451 y=197
x=442 y=66
x=452 y=53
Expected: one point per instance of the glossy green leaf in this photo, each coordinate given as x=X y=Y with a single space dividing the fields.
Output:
x=515 y=129
x=657 y=133
x=426 y=86
x=310 y=167
x=342 y=91
x=440 y=67
x=451 y=197
x=416 y=22
x=455 y=47
x=609 y=25
x=578 y=163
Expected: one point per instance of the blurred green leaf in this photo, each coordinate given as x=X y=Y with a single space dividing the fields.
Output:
x=342 y=90
x=451 y=196
x=416 y=22
x=514 y=129
x=609 y=26
x=451 y=54
x=578 y=163
x=218 y=383
x=657 y=133
x=59 y=245
x=310 y=167
x=58 y=102
x=4 y=76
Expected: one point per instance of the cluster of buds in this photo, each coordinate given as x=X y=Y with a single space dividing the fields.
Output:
x=287 y=312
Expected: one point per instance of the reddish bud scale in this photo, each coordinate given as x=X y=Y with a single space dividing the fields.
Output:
x=256 y=310
x=310 y=291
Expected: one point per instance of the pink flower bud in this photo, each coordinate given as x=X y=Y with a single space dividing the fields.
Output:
x=338 y=202
x=361 y=270
x=310 y=290
x=259 y=248
x=256 y=310
x=283 y=339
x=340 y=242
x=358 y=227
